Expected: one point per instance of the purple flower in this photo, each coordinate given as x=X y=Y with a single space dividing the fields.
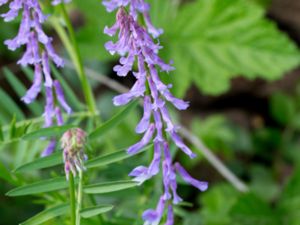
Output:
x=153 y=217
x=202 y=186
x=39 y=52
x=35 y=89
x=136 y=6
x=61 y=97
x=136 y=46
x=134 y=149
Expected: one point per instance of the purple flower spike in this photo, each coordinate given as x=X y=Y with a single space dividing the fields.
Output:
x=202 y=186
x=39 y=52
x=136 y=46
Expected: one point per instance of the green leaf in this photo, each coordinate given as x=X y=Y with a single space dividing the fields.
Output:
x=283 y=109
x=221 y=39
x=96 y=210
x=10 y=106
x=114 y=121
x=20 y=89
x=110 y=158
x=108 y=187
x=42 y=163
x=47 y=214
x=1 y=133
x=5 y=174
x=43 y=186
x=48 y=132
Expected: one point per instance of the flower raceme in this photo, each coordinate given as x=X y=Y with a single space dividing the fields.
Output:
x=135 y=45
x=39 y=52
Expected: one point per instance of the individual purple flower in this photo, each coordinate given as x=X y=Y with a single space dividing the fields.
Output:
x=50 y=148
x=136 y=46
x=154 y=216
x=202 y=186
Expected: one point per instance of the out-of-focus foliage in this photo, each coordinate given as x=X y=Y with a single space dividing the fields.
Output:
x=210 y=41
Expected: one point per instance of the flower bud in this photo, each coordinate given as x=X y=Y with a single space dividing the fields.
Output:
x=73 y=143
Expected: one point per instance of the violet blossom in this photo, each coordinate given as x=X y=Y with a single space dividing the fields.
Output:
x=134 y=44
x=38 y=54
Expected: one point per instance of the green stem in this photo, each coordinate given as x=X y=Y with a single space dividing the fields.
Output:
x=75 y=55
x=72 y=199
x=79 y=198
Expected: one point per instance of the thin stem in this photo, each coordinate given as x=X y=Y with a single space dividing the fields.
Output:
x=79 y=198
x=72 y=199
x=75 y=55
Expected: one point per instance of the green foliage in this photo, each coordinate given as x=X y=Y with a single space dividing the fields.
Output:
x=282 y=108
x=107 y=187
x=48 y=132
x=210 y=41
x=43 y=186
x=47 y=214
x=221 y=39
x=96 y=210
x=41 y=163
x=114 y=121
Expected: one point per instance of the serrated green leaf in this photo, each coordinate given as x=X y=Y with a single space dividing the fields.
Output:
x=48 y=132
x=96 y=210
x=114 y=121
x=42 y=163
x=43 y=186
x=108 y=187
x=110 y=158
x=221 y=39
x=47 y=214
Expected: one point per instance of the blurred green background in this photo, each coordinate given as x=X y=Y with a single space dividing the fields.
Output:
x=237 y=62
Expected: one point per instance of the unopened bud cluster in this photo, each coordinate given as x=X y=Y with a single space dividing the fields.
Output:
x=73 y=144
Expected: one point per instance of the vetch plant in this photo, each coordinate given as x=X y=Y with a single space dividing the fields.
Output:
x=72 y=188
x=135 y=44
